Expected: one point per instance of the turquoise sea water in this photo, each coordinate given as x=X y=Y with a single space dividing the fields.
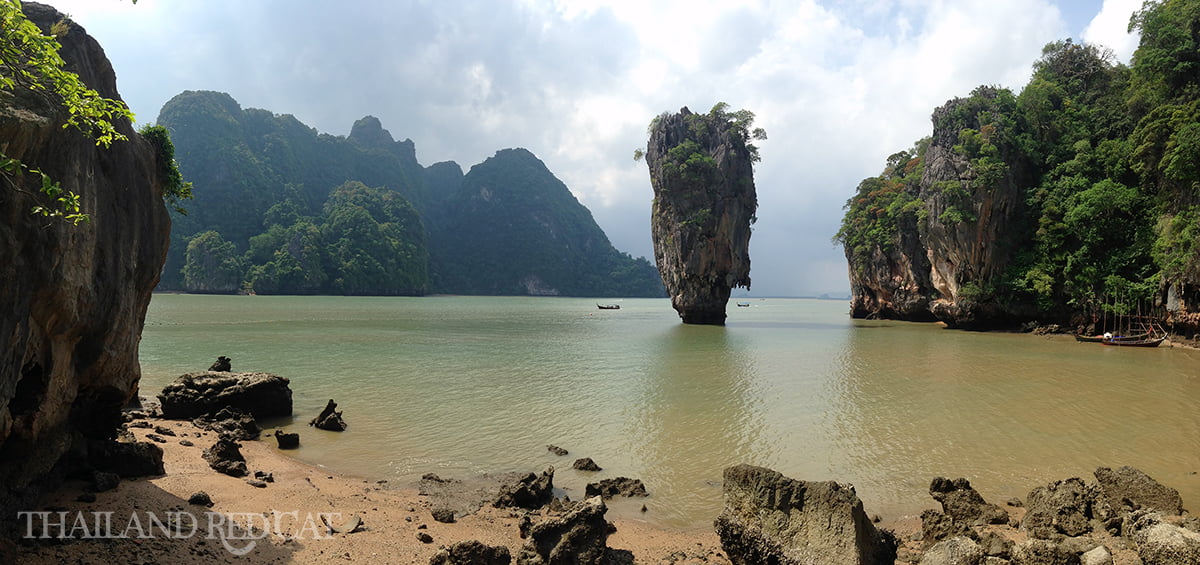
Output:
x=465 y=385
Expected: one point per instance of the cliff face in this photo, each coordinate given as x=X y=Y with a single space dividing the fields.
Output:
x=958 y=228
x=74 y=296
x=704 y=203
x=512 y=228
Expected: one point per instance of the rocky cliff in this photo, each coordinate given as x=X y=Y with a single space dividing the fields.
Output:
x=513 y=228
x=956 y=206
x=74 y=296
x=701 y=169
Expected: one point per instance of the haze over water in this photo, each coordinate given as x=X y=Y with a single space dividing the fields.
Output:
x=460 y=386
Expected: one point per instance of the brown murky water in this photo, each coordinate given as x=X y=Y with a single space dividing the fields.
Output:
x=465 y=385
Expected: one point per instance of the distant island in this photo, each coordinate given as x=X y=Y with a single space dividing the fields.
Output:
x=280 y=208
x=1068 y=202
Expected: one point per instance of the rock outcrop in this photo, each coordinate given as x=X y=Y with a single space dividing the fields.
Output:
x=578 y=537
x=195 y=394
x=330 y=418
x=1126 y=487
x=964 y=504
x=620 y=486
x=287 y=440
x=74 y=296
x=944 y=255
x=226 y=457
x=531 y=491
x=472 y=553
x=1126 y=517
x=1059 y=508
x=769 y=518
x=704 y=203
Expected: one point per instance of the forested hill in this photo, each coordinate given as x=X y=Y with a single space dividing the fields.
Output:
x=283 y=209
x=551 y=244
x=1077 y=195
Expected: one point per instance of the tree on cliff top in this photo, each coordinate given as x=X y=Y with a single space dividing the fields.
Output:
x=740 y=122
x=29 y=60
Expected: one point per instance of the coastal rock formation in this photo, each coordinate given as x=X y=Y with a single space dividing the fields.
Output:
x=231 y=423
x=531 y=491
x=1059 y=508
x=223 y=364
x=701 y=169
x=620 y=486
x=329 y=419
x=263 y=395
x=956 y=230
x=226 y=456
x=585 y=464
x=964 y=503
x=769 y=518
x=579 y=537
x=286 y=440
x=472 y=553
x=959 y=550
x=74 y=296
x=1127 y=487
x=127 y=459
x=1160 y=543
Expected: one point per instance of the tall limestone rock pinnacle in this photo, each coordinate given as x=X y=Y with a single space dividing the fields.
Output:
x=702 y=172
x=74 y=296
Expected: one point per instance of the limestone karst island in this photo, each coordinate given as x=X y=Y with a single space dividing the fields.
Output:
x=372 y=283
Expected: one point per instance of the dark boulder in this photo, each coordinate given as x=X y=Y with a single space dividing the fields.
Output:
x=556 y=450
x=1130 y=489
x=936 y=527
x=262 y=395
x=200 y=498
x=222 y=365
x=286 y=440
x=1061 y=507
x=963 y=503
x=230 y=422
x=530 y=492
x=103 y=481
x=586 y=464
x=472 y=553
x=578 y=537
x=442 y=514
x=329 y=419
x=620 y=486
x=769 y=518
x=226 y=457
x=127 y=459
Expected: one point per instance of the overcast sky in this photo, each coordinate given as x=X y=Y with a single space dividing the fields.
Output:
x=838 y=85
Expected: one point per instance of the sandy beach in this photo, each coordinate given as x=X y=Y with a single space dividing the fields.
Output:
x=149 y=520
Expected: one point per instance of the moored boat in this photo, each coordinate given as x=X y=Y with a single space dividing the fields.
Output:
x=609 y=306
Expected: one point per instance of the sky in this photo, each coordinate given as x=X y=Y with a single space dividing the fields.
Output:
x=838 y=85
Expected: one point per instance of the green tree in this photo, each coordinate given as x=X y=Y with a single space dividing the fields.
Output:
x=213 y=265
x=29 y=61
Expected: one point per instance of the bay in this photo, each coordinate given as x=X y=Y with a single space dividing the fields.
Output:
x=460 y=386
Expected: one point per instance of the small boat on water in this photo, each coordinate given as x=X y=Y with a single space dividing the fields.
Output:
x=1109 y=337
x=1148 y=342
x=743 y=304
x=609 y=306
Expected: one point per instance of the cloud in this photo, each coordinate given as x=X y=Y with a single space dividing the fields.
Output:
x=1110 y=28
x=837 y=85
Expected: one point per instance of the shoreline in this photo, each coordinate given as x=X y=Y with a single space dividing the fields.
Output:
x=284 y=517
